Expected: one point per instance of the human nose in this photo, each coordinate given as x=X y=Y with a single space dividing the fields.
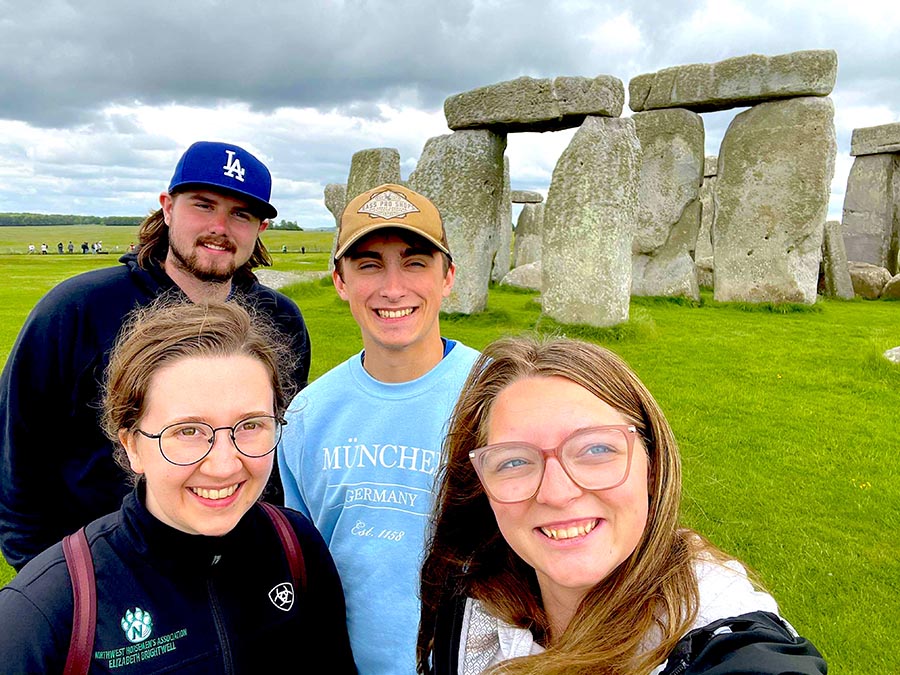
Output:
x=556 y=488
x=393 y=287
x=223 y=456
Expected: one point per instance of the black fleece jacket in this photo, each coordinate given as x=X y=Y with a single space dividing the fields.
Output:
x=168 y=601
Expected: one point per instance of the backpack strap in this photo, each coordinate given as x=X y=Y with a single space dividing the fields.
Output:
x=291 y=545
x=84 y=597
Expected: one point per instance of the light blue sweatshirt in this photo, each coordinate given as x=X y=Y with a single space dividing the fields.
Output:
x=359 y=457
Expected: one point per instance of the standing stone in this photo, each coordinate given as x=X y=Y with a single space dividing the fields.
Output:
x=869 y=217
x=704 y=251
x=835 y=271
x=528 y=235
x=775 y=169
x=504 y=230
x=589 y=223
x=372 y=167
x=335 y=201
x=462 y=173
x=668 y=213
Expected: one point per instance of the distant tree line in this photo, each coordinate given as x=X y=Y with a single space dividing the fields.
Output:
x=285 y=225
x=16 y=219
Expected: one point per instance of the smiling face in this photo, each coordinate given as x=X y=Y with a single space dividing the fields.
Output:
x=573 y=538
x=395 y=289
x=211 y=496
x=210 y=234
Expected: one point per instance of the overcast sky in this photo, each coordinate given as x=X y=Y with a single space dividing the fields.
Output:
x=98 y=98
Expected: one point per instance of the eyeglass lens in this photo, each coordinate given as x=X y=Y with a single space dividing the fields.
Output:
x=596 y=459
x=189 y=442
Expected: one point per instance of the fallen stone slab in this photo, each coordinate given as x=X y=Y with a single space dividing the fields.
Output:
x=893 y=355
x=884 y=138
x=868 y=280
x=525 y=197
x=529 y=104
x=736 y=82
x=891 y=290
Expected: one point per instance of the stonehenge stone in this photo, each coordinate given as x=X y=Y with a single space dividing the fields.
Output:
x=776 y=163
x=870 y=219
x=891 y=290
x=525 y=276
x=372 y=167
x=668 y=210
x=529 y=104
x=875 y=140
x=336 y=200
x=528 y=235
x=589 y=222
x=893 y=355
x=735 y=82
x=834 y=263
x=503 y=252
x=462 y=173
x=868 y=280
x=703 y=248
x=525 y=197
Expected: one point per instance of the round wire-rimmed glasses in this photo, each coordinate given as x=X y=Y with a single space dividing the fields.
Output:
x=186 y=443
x=594 y=458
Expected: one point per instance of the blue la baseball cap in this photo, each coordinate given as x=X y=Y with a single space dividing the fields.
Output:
x=225 y=167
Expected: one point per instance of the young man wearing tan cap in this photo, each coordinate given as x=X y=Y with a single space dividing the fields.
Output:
x=363 y=441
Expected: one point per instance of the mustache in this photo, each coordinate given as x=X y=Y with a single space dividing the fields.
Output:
x=223 y=242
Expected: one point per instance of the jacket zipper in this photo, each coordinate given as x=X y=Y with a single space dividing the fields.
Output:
x=228 y=666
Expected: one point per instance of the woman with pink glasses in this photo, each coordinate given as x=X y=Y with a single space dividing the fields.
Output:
x=556 y=545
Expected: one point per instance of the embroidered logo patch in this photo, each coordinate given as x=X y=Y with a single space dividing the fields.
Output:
x=233 y=167
x=388 y=204
x=137 y=625
x=282 y=596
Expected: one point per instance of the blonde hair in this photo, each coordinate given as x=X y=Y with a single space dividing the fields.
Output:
x=170 y=329
x=653 y=592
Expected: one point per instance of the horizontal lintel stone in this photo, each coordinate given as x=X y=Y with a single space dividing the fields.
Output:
x=529 y=104
x=878 y=140
x=735 y=82
x=525 y=197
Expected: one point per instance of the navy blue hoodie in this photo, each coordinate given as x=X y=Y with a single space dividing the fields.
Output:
x=56 y=466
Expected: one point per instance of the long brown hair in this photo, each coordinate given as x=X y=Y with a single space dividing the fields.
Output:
x=170 y=329
x=653 y=592
x=153 y=237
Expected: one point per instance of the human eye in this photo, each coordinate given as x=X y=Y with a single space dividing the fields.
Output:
x=244 y=216
x=254 y=425
x=599 y=445
x=509 y=460
x=187 y=433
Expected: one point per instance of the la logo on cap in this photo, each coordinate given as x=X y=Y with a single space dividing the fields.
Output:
x=233 y=167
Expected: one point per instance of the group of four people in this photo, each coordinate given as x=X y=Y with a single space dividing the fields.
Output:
x=539 y=477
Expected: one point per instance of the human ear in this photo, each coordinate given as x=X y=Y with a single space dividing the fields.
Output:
x=128 y=441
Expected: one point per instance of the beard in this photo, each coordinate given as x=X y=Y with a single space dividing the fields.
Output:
x=190 y=261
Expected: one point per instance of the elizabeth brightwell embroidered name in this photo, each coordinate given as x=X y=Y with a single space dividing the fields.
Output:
x=142 y=651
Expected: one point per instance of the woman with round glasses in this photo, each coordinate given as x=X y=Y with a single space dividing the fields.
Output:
x=556 y=547
x=192 y=574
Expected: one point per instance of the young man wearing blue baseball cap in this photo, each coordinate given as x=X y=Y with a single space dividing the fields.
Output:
x=56 y=466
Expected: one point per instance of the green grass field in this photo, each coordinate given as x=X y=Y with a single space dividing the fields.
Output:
x=786 y=418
